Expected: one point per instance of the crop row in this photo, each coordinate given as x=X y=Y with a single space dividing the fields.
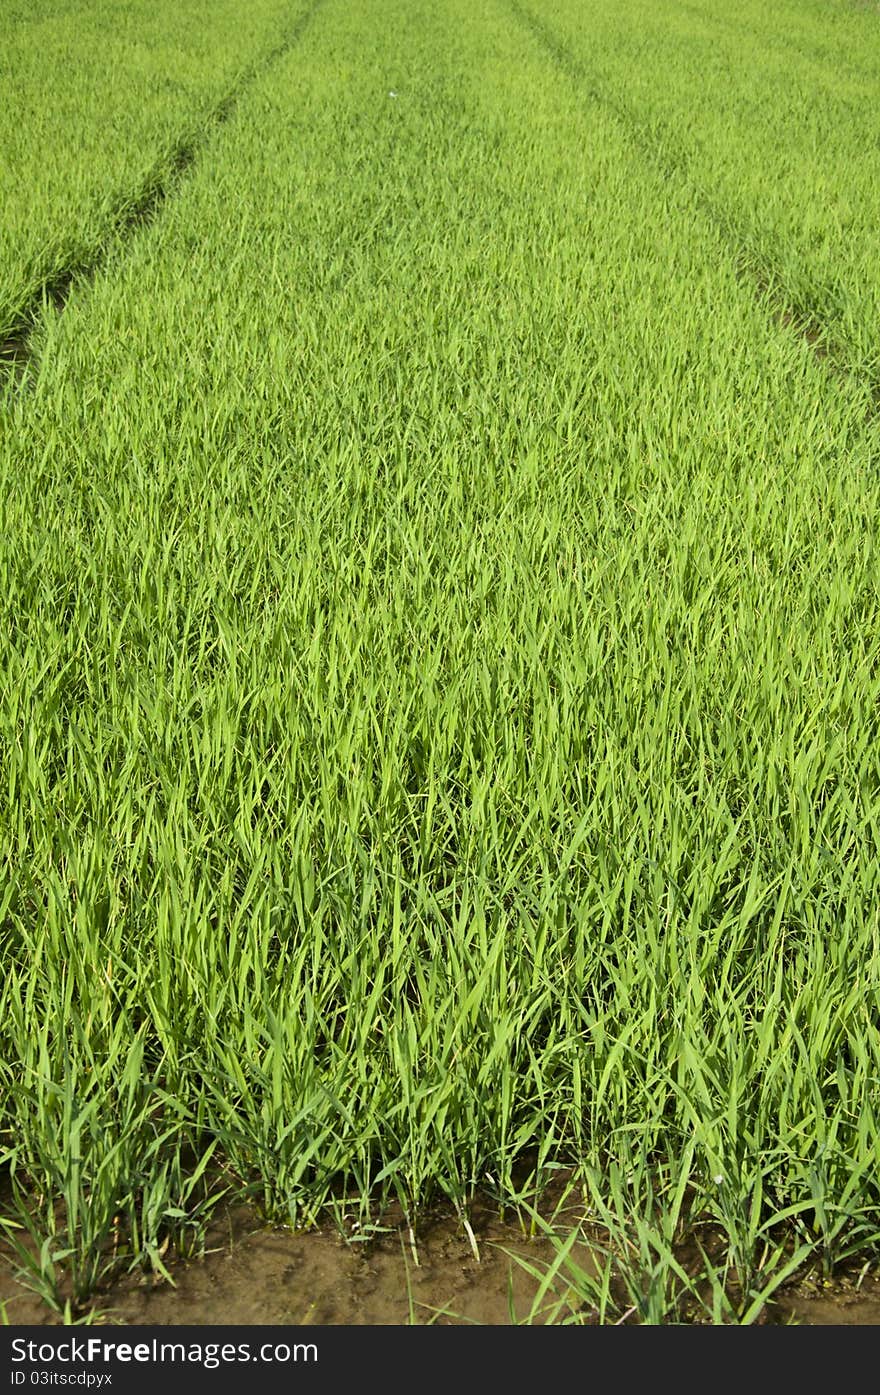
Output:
x=781 y=138
x=99 y=100
x=439 y=711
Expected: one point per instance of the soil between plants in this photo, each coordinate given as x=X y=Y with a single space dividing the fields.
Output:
x=252 y=1275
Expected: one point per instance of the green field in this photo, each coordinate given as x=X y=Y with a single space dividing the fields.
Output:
x=440 y=589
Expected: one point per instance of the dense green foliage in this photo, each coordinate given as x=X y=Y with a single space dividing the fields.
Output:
x=770 y=116
x=100 y=102
x=439 y=708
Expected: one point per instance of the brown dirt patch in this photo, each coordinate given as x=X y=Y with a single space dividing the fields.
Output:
x=850 y=1301
x=253 y=1275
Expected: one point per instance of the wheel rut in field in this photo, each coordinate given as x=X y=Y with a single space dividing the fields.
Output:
x=838 y=64
x=757 y=273
x=16 y=343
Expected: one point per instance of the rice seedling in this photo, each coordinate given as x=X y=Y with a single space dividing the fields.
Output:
x=439 y=718
x=771 y=115
x=133 y=87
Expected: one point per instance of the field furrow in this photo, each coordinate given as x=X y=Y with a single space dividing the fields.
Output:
x=440 y=716
x=133 y=90
x=783 y=145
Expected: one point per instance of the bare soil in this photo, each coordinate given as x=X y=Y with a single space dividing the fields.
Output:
x=252 y=1275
